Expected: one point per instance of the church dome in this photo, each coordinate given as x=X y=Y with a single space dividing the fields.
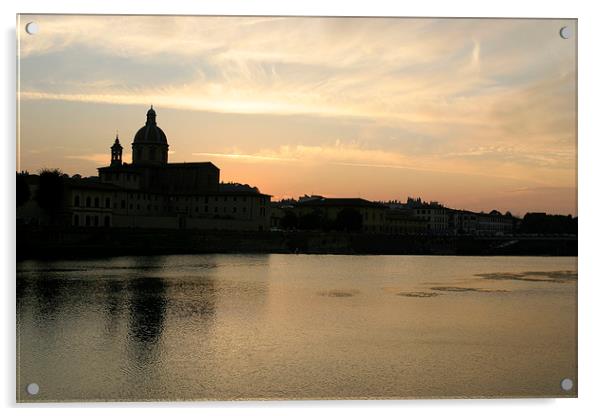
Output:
x=150 y=132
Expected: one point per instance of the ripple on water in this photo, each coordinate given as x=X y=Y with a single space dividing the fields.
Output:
x=418 y=294
x=338 y=293
x=559 y=276
x=466 y=289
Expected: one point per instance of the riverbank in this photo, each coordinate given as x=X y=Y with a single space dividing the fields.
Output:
x=102 y=242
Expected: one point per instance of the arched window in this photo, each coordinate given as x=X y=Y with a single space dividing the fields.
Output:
x=88 y=202
x=76 y=220
x=107 y=221
x=76 y=201
x=96 y=202
x=108 y=203
x=88 y=223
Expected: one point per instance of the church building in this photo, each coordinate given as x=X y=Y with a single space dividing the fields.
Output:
x=150 y=192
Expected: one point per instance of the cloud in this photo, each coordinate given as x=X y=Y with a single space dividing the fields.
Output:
x=421 y=71
x=239 y=156
x=100 y=159
x=357 y=155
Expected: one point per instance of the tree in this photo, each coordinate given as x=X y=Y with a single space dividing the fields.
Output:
x=23 y=193
x=541 y=223
x=311 y=221
x=50 y=192
x=348 y=219
x=289 y=220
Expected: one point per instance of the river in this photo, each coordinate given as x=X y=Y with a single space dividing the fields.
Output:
x=228 y=327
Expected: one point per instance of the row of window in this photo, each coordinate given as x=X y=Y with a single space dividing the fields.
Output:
x=145 y=197
x=433 y=219
x=430 y=211
x=91 y=221
x=225 y=198
x=89 y=202
x=92 y=202
x=234 y=210
x=402 y=229
x=436 y=226
x=96 y=202
x=495 y=219
x=117 y=176
x=373 y=228
x=494 y=226
x=374 y=216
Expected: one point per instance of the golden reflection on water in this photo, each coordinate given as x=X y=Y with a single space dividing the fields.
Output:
x=296 y=327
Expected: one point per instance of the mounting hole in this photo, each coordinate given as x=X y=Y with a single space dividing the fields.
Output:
x=32 y=28
x=33 y=389
x=566 y=384
x=565 y=32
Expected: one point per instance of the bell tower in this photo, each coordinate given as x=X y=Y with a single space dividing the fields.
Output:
x=116 y=152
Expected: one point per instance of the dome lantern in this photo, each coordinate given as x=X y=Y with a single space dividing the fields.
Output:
x=151 y=116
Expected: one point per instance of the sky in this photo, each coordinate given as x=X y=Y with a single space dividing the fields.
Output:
x=478 y=114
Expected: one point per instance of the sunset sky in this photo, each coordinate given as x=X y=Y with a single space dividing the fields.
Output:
x=477 y=114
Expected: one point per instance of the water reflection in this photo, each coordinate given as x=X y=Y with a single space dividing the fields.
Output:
x=49 y=296
x=114 y=290
x=147 y=309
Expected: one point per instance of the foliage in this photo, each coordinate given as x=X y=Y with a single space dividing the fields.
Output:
x=289 y=220
x=50 y=192
x=23 y=192
x=541 y=223
x=311 y=221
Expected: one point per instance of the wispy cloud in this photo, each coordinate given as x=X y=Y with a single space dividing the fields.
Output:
x=239 y=156
x=353 y=154
x=100 y=159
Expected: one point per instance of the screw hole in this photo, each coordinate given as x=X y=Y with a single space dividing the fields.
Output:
x=566 y=384
x=32 y=28
x=565 y=32
x=33 y=389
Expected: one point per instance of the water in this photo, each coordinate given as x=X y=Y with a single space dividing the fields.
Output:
x=296 y=327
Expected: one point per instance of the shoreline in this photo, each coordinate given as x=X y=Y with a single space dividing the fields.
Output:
x=67 y=243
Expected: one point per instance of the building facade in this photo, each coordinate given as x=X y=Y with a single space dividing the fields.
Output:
x=495 y=223
x=435 y=215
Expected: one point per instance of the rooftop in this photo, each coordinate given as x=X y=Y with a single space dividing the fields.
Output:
x=340 y=202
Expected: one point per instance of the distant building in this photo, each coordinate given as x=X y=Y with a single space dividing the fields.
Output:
x=415 y=216
x=152 y=193
x=447 y=221
x=463 y=222
x=373 y=219
x=352 y=214
x=495 y=223
x=401 y=221
x=433 y=213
